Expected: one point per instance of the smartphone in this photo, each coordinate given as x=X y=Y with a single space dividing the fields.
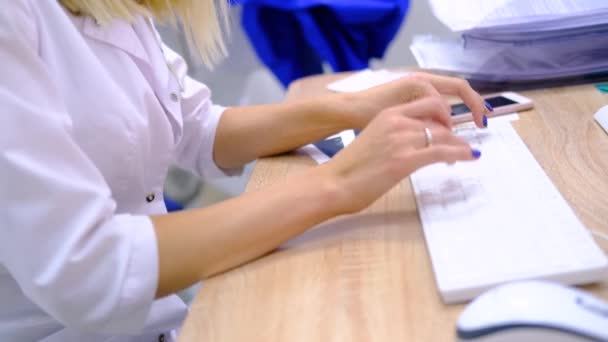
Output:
x=503 y=103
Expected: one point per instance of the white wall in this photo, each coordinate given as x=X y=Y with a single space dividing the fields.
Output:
x=420 y=20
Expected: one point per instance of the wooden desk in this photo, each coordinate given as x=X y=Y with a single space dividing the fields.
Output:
x=368 y=277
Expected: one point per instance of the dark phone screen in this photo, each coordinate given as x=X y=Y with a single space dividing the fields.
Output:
x=495 y=101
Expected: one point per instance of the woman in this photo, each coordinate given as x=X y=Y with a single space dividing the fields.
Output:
x=95 y=109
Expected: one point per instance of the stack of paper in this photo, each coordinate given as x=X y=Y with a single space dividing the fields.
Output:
x=518 y=40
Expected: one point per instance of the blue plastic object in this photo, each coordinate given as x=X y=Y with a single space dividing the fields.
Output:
x=294 y=37
x=172 y=205
x=602 y=87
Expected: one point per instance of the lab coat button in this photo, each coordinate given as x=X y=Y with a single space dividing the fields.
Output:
x=150 y=197
x=161 y=338
x=174 y=97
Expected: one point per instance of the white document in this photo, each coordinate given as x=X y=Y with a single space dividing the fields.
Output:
x=500 y=219
x=364 y=80
x=462 y=15
x=602 y=118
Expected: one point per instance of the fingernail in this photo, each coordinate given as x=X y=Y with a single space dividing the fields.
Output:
x=489 y=106
x=476 y=153
x=484 y=121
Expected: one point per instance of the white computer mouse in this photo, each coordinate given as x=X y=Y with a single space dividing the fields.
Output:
x=534 y=311
x=601 y=116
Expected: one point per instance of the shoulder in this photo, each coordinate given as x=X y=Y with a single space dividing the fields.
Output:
x=16 y=11
x=10 y=7
x=18 y=22
x=28 y=20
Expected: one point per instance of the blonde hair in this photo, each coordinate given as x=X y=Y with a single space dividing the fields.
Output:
x=204 y=21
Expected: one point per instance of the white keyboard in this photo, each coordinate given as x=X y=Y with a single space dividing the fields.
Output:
x=500 y=219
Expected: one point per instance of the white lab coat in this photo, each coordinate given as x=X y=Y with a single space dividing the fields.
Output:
x=90 y=119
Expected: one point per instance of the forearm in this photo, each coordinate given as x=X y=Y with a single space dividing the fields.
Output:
x=197 y=244
x=247 y=133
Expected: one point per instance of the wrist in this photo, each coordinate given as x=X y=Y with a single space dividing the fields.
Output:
x=357 y=108
x=340 y=110
x=331 y=199
x=342 y=189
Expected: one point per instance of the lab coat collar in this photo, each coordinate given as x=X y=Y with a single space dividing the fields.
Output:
x=120 y=35
x=148 y=54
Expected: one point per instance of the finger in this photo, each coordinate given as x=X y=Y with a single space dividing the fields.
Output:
x=428 y=108
x=443 y=153
x=462 y=88
x=422 y=89
x=437 y=135
x=442 y=136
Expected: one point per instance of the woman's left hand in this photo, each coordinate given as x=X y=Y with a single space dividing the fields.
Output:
x=364 y=105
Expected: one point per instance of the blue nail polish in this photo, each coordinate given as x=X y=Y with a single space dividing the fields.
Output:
x=476 y=153
x=484 y=121
x=489 y=106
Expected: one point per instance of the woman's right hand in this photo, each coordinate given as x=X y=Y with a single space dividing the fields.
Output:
x=391 y=147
